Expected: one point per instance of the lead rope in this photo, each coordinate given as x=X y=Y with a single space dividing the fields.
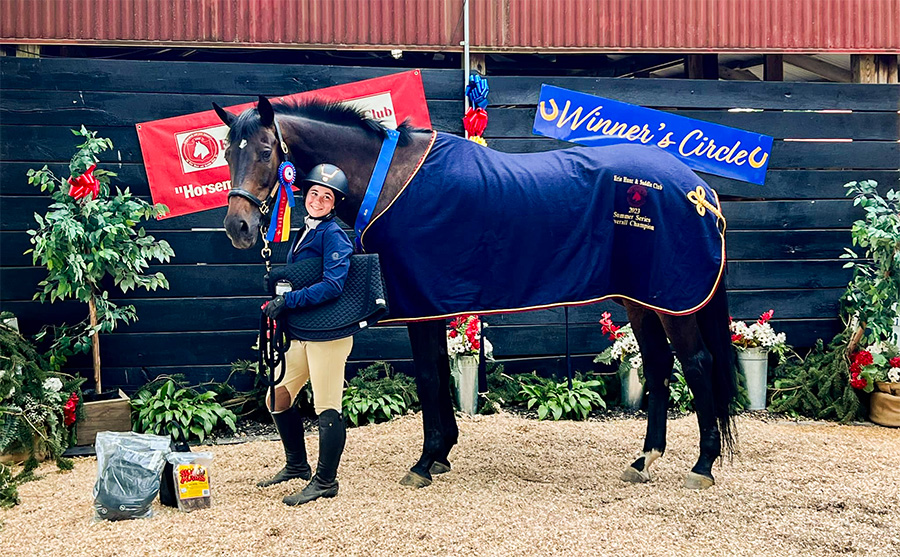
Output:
x=273 y=341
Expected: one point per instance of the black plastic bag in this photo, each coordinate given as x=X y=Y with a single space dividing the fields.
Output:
x=129 y=466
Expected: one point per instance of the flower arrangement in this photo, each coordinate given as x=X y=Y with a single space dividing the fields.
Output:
x=37 y=406
x=624 y=348
x=759 y=335
x=464 y=336
x=878 y=362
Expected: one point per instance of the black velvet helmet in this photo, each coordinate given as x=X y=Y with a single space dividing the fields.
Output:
x=330 y=176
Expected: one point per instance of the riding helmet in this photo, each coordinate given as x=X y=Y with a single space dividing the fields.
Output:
x=330 y=176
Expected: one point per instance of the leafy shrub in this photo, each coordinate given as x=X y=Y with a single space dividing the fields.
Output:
x=181 y=412
x=89 y=234
x=681 y=399
x=370 y=398
x=503 y=390
x=556 y=400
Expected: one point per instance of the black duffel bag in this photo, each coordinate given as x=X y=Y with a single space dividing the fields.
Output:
x=360 y=305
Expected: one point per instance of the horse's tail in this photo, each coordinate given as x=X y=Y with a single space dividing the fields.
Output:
x=713 y=320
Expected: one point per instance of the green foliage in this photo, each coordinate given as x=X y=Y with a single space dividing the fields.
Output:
x=819 y=386
x=556 y=400
x=872 y=295
x=503 y=390
x=80 y=242
x=32 y=397
x=178 y=411
x=9 y=494
x=370 y=397
x=681 y=399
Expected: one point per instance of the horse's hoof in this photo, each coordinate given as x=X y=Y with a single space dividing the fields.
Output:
x=440 y=468
x=698 y=481
x=632 y=475
x=412 y=479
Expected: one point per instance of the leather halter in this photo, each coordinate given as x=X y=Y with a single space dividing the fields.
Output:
x=263 y=205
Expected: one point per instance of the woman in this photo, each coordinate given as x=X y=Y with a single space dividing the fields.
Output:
x=320 y=362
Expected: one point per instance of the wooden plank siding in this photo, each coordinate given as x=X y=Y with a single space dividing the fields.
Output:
x=783 y=238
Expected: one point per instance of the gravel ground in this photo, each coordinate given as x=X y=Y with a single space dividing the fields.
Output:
x=518 y=487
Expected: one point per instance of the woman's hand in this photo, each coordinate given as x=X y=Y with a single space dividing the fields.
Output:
x=273 y=307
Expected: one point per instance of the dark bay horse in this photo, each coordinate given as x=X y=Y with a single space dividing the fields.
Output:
x=319 y=132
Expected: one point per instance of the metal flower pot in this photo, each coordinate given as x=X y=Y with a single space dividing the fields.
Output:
x=754 y=364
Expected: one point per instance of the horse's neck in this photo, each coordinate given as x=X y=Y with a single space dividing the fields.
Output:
x=356 y=153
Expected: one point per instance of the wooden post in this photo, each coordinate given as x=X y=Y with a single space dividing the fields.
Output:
x=773 y=67
x=476 y=62
x=95 y=344
x=874 y=68
x=702 y=66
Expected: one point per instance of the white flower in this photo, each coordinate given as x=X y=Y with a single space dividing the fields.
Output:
x=894 y=375
x=53 y=384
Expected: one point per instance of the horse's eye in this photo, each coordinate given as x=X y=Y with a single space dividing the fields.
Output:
x=265 y=155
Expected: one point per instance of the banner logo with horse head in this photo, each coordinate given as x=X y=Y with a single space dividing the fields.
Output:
x=185 y=155
x=595 y=121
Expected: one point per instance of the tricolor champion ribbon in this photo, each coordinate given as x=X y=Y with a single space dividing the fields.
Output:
x=280 y=225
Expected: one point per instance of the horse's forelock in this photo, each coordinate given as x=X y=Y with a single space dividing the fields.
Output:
x=245 y=126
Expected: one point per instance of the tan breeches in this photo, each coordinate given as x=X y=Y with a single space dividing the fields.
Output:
x=322 y=363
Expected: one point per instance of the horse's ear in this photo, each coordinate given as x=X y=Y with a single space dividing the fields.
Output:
x=226 y=116
x=266 y=112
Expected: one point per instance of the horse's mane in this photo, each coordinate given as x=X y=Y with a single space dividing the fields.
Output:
x=247 y=123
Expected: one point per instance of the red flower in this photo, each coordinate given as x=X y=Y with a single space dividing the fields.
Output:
x=864 y=358
x=85 y=184
x=69 y=409
x=736 y=337
x=855 y=368
x=764 y=318
x=858 y=382
x=476 y=344
x=475 y=121
x=453 y=333
x=895 y=362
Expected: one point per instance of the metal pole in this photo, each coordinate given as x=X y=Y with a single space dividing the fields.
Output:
x=568 y=353
x=466 y=68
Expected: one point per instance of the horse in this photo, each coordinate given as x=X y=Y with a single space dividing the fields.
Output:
x=317 y=132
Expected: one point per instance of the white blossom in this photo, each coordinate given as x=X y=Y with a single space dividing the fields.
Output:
x=53 y=384
x=894 y=375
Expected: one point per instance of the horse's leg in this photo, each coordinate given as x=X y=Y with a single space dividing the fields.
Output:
x=697 y=366
x=449 y=429
x=657 y=358
x=429 y=348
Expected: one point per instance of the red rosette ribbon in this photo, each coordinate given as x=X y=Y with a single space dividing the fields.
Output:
x=475 y=121
x=85 y=184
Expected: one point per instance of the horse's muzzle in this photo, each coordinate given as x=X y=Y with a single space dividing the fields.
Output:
x=241 y=232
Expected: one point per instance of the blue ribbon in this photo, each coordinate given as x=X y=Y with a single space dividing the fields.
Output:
x=477 y=90
x=376 y=182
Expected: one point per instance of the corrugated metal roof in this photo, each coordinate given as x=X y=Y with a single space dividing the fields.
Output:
x=869 y=26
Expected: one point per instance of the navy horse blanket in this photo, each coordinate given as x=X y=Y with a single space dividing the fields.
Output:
x=479 y=231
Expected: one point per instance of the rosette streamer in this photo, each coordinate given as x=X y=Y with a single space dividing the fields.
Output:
x=475 y=121
x=280 y=225
x=477 y=91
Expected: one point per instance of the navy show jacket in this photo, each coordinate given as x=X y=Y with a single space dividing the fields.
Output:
x=329 y=242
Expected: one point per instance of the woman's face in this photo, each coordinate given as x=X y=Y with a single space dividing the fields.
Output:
x=319 y=201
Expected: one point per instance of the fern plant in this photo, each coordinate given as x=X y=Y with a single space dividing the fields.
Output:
x=180 y=412
x=556 y=400
x=378 y=394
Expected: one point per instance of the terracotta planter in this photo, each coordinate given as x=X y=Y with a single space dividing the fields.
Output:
x=104 y=415
x=884 y=405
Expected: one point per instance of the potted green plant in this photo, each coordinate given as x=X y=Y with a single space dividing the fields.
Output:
x=463 y=346
x=88 y=234
x=626 y=352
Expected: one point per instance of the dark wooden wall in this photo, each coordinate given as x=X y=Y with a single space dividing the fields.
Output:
x=784 y=238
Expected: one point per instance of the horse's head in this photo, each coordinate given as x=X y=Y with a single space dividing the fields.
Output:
x=253 y=156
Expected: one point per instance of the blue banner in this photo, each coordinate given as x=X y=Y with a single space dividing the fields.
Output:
x=595 y=121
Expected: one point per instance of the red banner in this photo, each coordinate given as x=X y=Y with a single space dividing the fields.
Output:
x=185 y=155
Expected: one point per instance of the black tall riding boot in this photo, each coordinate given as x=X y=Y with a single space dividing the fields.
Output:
x=290 y=427
x=332 y=437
